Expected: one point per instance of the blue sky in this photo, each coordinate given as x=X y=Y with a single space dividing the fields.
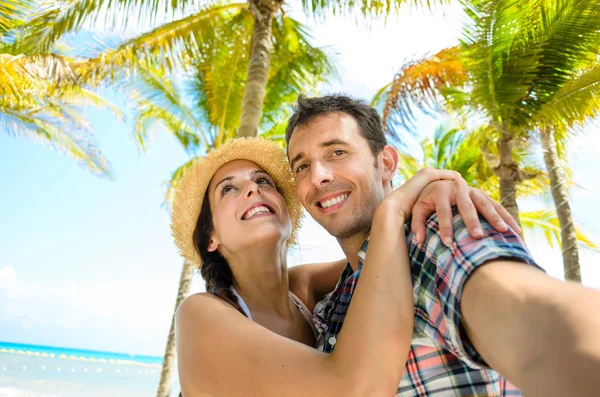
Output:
x=88 y=262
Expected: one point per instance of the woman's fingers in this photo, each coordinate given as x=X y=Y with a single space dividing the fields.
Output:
x=467 y=209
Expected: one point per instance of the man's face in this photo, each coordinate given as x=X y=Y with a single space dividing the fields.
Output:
x=338 y=178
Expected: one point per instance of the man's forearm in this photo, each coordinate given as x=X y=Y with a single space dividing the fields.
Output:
x=571 y=352
x=542 y=334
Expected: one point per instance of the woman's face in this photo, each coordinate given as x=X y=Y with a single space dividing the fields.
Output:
x=247 y=209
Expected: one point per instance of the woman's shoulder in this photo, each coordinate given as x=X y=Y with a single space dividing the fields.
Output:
x=202 y=306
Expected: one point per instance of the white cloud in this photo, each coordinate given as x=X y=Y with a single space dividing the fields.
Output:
x=8 y=280
x=132 y=314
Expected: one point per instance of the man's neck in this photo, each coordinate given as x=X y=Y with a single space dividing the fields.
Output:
x=351 y=246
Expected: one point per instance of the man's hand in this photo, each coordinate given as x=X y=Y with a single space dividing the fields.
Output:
x=440 y=196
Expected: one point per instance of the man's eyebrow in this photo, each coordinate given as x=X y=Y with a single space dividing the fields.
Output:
x=331 y=142
x=295 y=159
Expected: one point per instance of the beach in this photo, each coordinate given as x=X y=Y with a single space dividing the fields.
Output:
x=43 y=371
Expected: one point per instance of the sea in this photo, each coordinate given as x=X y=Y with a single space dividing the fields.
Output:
x=45 y=371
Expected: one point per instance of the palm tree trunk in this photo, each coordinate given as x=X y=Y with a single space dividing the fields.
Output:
x=258 y=72
x=166 y=375
x=508 y=172
x=570 y=249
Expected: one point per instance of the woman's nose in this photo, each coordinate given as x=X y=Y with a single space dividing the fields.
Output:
x=253 y=188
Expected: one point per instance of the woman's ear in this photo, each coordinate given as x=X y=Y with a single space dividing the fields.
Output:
x=213 y=244
x=390 y=160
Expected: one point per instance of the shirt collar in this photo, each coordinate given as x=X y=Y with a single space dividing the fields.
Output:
x=362 y=253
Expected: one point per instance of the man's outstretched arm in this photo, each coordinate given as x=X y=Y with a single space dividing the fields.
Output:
x=541 y=333
x=487 y=301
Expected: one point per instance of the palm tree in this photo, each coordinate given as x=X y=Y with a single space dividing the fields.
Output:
x=166 y=374
x=201 y=109
x=40 y=95
x=577 y=100
x=522 y=70
x=264 y=13
x=179 y=33
x=180 y=42
x=455 y=149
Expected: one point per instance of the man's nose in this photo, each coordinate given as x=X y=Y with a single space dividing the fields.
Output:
x=320 y=174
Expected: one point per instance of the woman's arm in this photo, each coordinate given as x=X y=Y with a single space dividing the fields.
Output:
x=223 y=353
x=311 y=282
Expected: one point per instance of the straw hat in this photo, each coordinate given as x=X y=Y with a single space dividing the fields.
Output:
x=192 y=188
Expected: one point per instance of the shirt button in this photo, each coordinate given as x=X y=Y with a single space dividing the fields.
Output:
x=332 y=341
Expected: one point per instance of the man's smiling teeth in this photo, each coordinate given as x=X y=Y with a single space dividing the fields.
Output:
x=334 y=201
x=255 y=211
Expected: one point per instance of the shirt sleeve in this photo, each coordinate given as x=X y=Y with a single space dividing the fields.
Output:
x=439 y=274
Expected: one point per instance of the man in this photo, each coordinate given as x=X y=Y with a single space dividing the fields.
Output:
x=541 y=334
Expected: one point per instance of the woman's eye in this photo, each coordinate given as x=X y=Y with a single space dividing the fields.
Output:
x=263 y=181
x=226 y=189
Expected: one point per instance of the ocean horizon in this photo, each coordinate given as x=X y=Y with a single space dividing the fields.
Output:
x=28 y=370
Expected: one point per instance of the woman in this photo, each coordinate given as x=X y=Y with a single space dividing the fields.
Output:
x=235 y=214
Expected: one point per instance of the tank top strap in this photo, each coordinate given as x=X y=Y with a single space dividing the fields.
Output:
x=305 y=312
x=241 y=302
x=299 y=304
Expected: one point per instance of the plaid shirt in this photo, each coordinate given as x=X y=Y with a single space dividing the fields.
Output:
x=441 y=361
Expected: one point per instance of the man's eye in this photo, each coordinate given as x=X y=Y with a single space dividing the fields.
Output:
x=339 y=152
x=301 y=167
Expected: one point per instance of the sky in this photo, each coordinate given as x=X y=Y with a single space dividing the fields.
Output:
x=88 y=262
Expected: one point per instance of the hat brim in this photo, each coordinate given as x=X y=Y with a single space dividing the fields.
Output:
x=190 y=194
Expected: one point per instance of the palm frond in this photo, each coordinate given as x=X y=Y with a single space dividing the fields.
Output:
x=407 y=165
x=546 y=222
x=31 y=79
x=367 y=8
x=461 y=151
x=50 y=67
x=15 y=80
x=80 y=96
x=569 y=39
x=418 y=84
x=219 y=77
x=151 y=116
x=380 y=97
x=173 y=183
x=175 y=44
x=53 y=19
x=156 y=98
x=58 y=127
x=520 y=54
x=276 y=132
x=296 y=67
x=11 y=13
x=575 y=102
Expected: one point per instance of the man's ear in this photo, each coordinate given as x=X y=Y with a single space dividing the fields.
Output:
x=213 y=244
x=389 y=159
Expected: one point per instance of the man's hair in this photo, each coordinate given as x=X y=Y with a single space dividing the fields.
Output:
x=366 y=117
